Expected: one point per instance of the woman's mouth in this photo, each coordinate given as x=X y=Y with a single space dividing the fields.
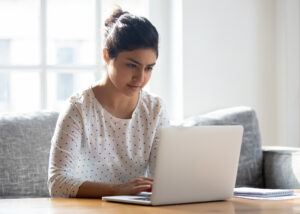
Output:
x=134 y=87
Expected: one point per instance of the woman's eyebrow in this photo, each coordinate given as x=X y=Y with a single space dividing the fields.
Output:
x=136 y=62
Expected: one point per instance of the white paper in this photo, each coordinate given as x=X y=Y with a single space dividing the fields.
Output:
x=294 y=196
x=258 y=192
x=265 y=194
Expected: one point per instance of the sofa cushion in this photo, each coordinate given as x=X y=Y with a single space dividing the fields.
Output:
x=24 y=153
x=250 y=170
x=281 y=167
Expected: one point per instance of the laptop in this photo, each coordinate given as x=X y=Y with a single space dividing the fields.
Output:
x=194 y=164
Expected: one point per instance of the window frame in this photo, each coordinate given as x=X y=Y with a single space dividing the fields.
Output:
x=42 y=68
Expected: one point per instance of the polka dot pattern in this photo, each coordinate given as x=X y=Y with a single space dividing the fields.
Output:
x=90 y=144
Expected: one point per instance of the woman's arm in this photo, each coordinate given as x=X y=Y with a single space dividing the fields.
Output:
x=162 y=122
x=96 y=189
x=65 y=145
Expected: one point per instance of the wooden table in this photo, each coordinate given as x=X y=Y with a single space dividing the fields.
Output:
x=89 y=206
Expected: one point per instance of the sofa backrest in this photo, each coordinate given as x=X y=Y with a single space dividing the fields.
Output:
x=25 y=145
x=250 y=169
x=24 y=153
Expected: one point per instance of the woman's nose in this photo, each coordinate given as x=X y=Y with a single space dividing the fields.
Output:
x=139 y=75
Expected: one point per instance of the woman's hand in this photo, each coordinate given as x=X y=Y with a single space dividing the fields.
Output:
x=134 y=187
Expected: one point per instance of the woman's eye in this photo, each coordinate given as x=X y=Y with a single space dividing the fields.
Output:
x=131 y=65
x=149 y=69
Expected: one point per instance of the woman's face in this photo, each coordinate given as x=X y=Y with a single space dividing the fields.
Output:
x=130 y=71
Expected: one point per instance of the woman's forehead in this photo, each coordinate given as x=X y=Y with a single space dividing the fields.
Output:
x=142 y=56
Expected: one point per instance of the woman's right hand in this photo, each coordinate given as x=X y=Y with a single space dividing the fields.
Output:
x=134 y=187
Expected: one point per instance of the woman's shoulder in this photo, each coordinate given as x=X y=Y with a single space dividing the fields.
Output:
x=81 y=97
x=79 y=101
x=150 y=97
x=151 y=101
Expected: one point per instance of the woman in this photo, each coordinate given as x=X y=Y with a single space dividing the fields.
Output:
x=106 y=139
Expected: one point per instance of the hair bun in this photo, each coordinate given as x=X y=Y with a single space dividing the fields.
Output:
x=124 y=31
x=114 y=17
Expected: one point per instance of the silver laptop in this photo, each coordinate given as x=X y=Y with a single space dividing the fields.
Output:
x=194 y=164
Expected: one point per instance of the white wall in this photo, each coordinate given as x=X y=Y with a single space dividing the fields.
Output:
x=230 y=53
x=159 y=15
x=166 y=79
x=288 y=71
x=228 y=58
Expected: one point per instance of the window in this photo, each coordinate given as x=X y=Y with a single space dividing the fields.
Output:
x=4 y=88
x=4 y=76
x=4 y=51
x=64 y=85
x=67 y=52
x=50 y=49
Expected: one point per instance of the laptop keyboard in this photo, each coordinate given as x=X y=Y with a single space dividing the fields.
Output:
x=146 y=198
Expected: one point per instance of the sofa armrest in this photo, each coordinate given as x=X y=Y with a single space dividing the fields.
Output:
x=281 y=167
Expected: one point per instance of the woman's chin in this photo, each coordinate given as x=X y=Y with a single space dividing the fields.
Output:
x=129 y=92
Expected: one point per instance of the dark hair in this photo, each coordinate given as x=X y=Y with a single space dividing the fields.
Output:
x=126 y=32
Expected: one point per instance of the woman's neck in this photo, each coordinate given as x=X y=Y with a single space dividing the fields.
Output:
x=113 y=100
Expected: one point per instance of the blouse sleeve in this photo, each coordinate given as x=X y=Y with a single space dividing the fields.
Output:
x=163 y=121
x=64 y=153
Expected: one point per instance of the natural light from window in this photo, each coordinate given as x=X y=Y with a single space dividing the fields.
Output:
x=49 y=49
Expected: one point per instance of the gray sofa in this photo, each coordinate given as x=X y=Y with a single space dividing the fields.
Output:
x=25 y=144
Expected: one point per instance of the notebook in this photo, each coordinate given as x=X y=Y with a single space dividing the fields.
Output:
x=194 y=164
x=258 y=192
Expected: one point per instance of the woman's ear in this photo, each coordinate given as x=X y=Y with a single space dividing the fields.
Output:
x=105 y=55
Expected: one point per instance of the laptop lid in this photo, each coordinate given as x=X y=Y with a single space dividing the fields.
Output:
x=196 y=164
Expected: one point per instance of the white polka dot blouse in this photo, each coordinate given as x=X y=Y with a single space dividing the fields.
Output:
x=90 y=144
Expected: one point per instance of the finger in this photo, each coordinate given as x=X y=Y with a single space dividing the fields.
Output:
x=142 y=188
x=149 y=190
x=141 y=181
x=146 y=178
x=144 y=182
